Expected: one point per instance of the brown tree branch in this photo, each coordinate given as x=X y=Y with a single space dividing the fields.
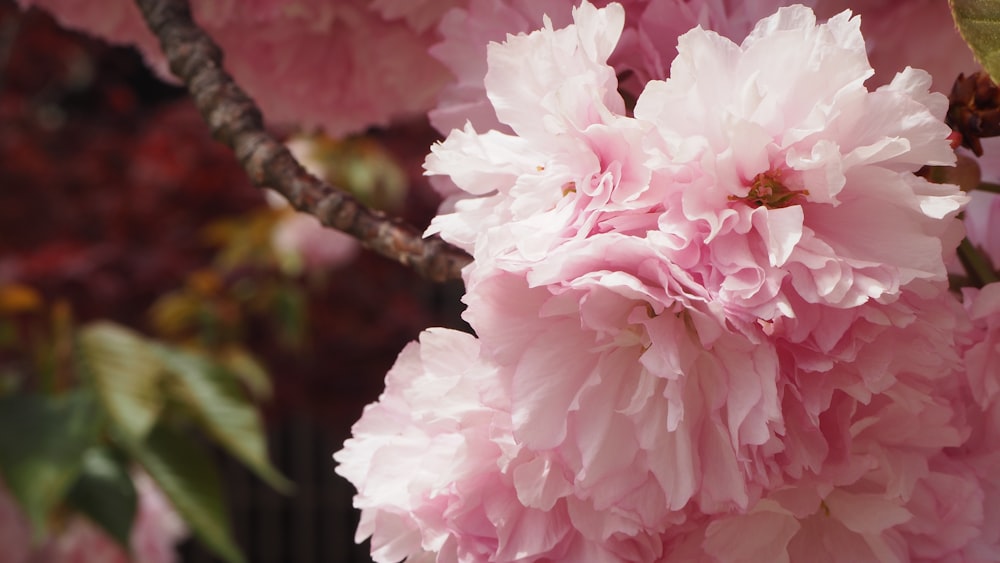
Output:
x=236 y=120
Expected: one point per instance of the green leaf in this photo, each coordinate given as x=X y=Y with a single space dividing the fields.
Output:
x=105 y=493
x=248 y=370
x=126 y=374
x=979 y=23
x=223 y=409
x=42 y=442
x=289 y=310
x=187 y=475
x=976 y=263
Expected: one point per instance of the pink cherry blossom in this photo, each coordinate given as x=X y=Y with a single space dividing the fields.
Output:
x=441 y=478
x=466 y=32
x=715 y=330
x=983 y=350
x=442 y=475
x=428 y=459
x=302 y=240
x=687 y=305
x=647 y=46
x=776 y=195
x=116 y=21
x=798 y=173
x=619 y=234
x=342 y=66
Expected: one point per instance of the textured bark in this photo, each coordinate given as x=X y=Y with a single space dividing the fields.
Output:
x=236 y=120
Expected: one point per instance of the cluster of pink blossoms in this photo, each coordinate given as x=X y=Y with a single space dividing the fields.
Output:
x=347 y=65
x=715 y=327
x=647 y=45
x=341 y=65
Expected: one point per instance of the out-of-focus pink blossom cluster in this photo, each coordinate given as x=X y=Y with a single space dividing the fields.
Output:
x=343 y=66
x=917 y=33
x=299 y=239
x=156 y=531
x=715 y=327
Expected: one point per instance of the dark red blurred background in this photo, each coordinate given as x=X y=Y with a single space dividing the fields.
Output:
x=108 y=178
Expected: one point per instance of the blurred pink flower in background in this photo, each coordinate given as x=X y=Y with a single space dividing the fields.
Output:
x=156 y=532
x=311 y=244
x=343 y=66
x=15 y=531
x=299 y=239
x=916 y=33
x=982 y=216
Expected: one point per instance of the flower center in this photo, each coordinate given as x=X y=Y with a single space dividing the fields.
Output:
x=767 y=190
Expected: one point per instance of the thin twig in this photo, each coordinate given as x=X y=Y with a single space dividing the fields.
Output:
x=236 y=120
x=976 y=264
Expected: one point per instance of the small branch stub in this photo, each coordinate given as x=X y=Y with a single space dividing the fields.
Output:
x=236 y=120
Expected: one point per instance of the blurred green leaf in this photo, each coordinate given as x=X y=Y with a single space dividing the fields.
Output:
x=248 y=370
x=289 y=310
x=105 y=493
x=126 y=374
x=979 y=23
x=42 y=442
x=223 y=408
x=187 y=475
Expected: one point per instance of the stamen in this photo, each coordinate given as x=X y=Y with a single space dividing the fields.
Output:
x=767 y=190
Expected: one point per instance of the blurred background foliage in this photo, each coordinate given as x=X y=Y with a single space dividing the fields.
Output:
x=156 y=311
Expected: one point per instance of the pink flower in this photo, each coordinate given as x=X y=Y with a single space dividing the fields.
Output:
x=466 y=31
x=15 y=531
x=799 y=167
x=342 y=66
x=116 y=21
x=428 y=459
x=982 y=353
x=156 y=531
x=686 y=305
x=441 y=478
x=777 y=194
x=644 y=53
x=611 y=231
x=303 y=242
x=652 y=411
x=851 y=524
x=299 y=239
x=443 y=475
x=690 y=348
